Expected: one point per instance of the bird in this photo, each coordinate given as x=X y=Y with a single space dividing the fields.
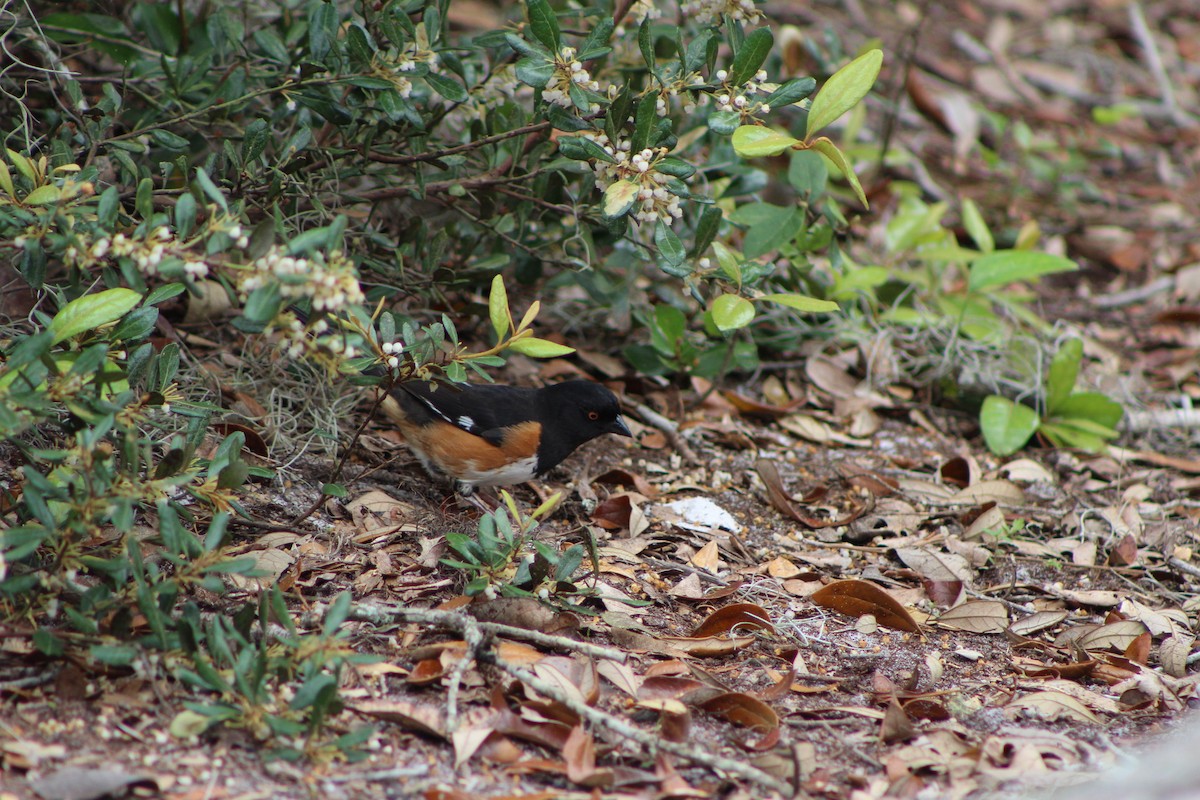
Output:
x=487 y=435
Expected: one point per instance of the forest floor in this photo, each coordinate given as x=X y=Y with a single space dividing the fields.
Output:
x=813 y=582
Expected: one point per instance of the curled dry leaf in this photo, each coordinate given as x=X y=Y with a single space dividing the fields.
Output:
x=856 y=598
x=741 y=709
x=1116 y=636
x=1037 y=621
x=976 y=616
x=425 y=718
x=754 y=408
x=707 y=647
x=1173 y=654
x=632 y=480
x=995 y=491
x=527 y=613
x=896 y=726
x=1052 y=705
x=739 y=616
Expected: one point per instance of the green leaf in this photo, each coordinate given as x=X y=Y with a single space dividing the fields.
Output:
x=498 y=308
x=843 y=90
x=750 y=56
x=44 y=195
x=187 y=724
x=322 y=30
x=800 y=302
x=808 y=174
x=534 y=71
x=724 y=123
x=790 y=92
x=582 y=148
x=1063 y=372
x=1091 y=407
x=91 y=311
x=525 y=48
x=1077 y=434
x=730 y=312
x=838 y=159
x=977 y=229
x=706 y=229
x=210 y=188
x=1006 y=425
x=540 y=348
x=596 y=44
x=644 y=120
x=646 y=43
x=619 y=197
x=447 y=87
x=171 y=141
x=756 y=141
x=1009 y=266
x=670 y=249
x=544 y=24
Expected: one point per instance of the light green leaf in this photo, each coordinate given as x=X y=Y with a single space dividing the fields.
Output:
x=755 y=141
x=1090 y=407
x=540 y=348
x=843 y=90
x=1009 y=266
x=43 y=195
x=187 y=724
x=91 y=311
x=730 y=312
x=977 y=229
x=1064 y=370
x=800 y=302
x=498 y=308
x=619 y=197
x=830 y=150
x=1006 y=425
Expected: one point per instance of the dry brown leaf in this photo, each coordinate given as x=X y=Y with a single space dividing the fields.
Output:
x=579 y=755
x=855 y=598
x=1100 y=598
x=1037 y=621
x=741 y=709
x=1116 y=636
x=707 y=558
x=994 y=491
x=707 y=647
x=739 y=616
x=976 y=616
x=1173 y=654
x=1052 y=705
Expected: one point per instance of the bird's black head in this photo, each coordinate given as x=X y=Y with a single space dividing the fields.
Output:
x=575 y=412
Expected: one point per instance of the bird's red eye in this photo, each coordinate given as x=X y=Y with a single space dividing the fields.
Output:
x=593 y=415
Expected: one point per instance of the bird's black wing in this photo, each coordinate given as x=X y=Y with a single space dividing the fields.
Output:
x=481 y=409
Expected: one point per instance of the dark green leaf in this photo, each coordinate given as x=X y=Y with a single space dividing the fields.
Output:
x=671 y=252
x=535 y=71
x=447 y=87
x=582 y=148
x=644 y=119
x=751 y=56
x=706 y=229
x=596 y=44
x=790 y=92
x=322 y=31
x=544 y=24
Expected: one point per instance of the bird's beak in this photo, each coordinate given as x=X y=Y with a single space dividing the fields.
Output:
x=619 y=427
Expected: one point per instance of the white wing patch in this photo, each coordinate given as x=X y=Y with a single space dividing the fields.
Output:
x=465 y=422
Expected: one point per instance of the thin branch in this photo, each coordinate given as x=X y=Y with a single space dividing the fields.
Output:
x=418 y=158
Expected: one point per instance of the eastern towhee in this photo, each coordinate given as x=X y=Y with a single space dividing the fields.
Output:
x=492 y=435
